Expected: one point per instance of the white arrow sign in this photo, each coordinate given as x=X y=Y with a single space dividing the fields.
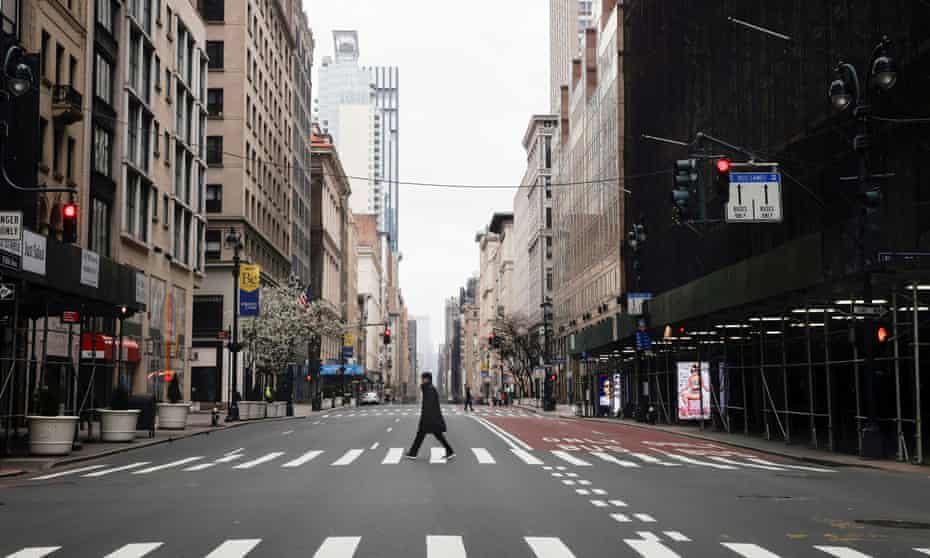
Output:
x=755 y=197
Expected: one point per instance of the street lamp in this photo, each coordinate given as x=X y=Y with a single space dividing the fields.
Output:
x=234 y=242
x=846 y=92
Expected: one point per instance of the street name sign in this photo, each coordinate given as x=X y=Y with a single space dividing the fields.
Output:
x=872 y=310
x=755 y=197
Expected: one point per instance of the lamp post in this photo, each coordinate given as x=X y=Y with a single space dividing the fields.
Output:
x=846 y=92
x=548 y=386
x=234 y=241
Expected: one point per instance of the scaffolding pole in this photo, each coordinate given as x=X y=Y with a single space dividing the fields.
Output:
x=784 y=380
x=919 y=451
x=826 y=369
x=855 y=349
x=902 y=449
x=742 y=366
x=810 y=377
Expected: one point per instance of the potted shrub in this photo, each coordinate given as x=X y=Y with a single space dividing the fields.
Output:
x=49 y=433
x=118 y=423
x=173 y=415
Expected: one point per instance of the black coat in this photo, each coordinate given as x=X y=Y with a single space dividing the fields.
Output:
x=431 y=420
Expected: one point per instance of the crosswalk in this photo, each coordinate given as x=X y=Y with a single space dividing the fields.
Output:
x=648 y=544
x=339 y=414
x=238 y=460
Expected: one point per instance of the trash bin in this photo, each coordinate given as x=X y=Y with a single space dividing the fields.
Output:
x=146 y=405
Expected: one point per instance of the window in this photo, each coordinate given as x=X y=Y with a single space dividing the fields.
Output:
x=132 y=147
x=72 y=70
x=214 y=198
x=167 y=148
x=215 y=150
x=168 y=84
x=135 y=53
x=105 y=14
x=213 y=244
x=547 y=152
x=215 y=52
x=548 y=279
x=69 y=159
x=57 y=138
x=131 y=194
x=157 y=73
x=103 y=70
x=154 y=204
x=157 y=141
x=169 y=21
x=102 y=154
x=215 y=102
x=99 y=227
x=548 y=183
x=548 y=247
x=548 y=217
x=43 y=131
x=212 y=10
x=59 y=60
x=164 y=214
x=44 y=55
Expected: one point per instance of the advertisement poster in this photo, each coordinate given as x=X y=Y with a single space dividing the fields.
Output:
x=693 y=391
x=250 y=282
x=617 y=402
x=603 y=390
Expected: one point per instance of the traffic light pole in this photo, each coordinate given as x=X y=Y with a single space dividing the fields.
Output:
x=233 y=413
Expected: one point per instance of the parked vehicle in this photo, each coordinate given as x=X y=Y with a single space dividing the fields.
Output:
x=370 y=398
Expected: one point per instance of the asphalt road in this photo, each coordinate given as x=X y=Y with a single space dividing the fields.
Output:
x=334 y=486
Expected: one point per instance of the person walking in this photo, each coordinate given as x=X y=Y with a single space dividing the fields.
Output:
x=431 y=421
x=468 y=399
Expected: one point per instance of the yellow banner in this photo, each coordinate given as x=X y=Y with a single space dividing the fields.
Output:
x=348 y=340
x=250 y=277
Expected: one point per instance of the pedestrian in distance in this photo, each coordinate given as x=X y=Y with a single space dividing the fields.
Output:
x=431 y=421
x=468 y=399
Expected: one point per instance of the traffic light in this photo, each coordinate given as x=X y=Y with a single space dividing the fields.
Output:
x=871 y=200
x=387 y=336
x=686 y=181
x=722 y=179
x=69 y=223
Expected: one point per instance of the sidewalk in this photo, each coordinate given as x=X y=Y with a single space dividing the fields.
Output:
x=197 y=423
x=773 y=447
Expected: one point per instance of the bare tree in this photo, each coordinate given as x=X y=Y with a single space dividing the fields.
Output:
x=520 y=345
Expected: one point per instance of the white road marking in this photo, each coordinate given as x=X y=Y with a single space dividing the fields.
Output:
x=444 y=547
x=200 y=466
x=229 y=458
x=234 y=548
x=654 y=460
x=312 y=454
x=397 y=420
x=337 y=547
x=507 y=437
x=148 y=470
x=691 y=461
x=482 y=455
x=316 y=422
x=676 y=536
x=644 y=517
x=741 y=464
x=618 y=503
x=117 y=469
x=568 y=482
x=651 y=549
x=263 y=459
x=547 y=468
x=599 y=491
x=69 y=472
x=561 y=467
x=238 y=450
x=34 y=552
x=393 y=456
x=389 y=429
x=749 y=550
x=564 y=455
x=584 y=482
x=571 y=474
x=337 y=416
x=599 y=503
x=556 y=474
x=648 y=536
x=621 y=517
x=923 y=551
x=374 y=446
x=582 y=491
x=134 y=550
x=548 y=547
x=611 y=459
x=286 y=432
x=798 y=467
x=347 y=458
x=842 y=552
x=437 y=455
x=526 y=456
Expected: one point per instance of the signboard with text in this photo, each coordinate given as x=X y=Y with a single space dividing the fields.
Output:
x=250 y=282
x=755 y=197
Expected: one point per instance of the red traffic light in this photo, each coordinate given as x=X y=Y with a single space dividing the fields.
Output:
x=723 y=165
x=882 y=334
x=69 y=211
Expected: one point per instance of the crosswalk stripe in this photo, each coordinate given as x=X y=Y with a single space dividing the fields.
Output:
x=303 y=458
x=117 y=469
x=134 y=550
x=375 y=445
x=394 y=455
x=548 y=547
x=69 y=472
x=228 y=458
x=444 y=547
x=654 y=460
x=651 y=549
x=691 y=461
x=644 y=517
x=568 y=482
x=621 y=517
x=482 y=455
x=842 y=552
x=337 y=547
x=526 y=456
x=648 y=536
x=347 y=458
x=676 y=536
x=599 y=491
x=34 y=552
x=166 y=465
x=599 y=503
x=749 y=550
x=611 y=459
x=234 y=548
x=263 y=459
x=923 y=551
x=798 y=467
x=582 y=491
x=751 y=465
x=565 y=456
x=618 y=503
x=437 y=455
x=200 y=466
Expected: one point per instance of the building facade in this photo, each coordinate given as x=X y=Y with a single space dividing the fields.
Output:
x=495 y=294
x=370 y=284
x=300 y=161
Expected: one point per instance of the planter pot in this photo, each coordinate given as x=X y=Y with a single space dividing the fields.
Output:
x=261 y=409
x=243 y=409
x=118 y=426
x=51 y=435
x=270 y=410
x=173 y=416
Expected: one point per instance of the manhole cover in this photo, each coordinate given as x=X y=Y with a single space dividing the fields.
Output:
x=895 y=523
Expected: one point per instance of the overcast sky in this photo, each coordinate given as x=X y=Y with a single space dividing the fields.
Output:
x=471 y=74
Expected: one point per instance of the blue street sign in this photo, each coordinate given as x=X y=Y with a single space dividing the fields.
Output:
x=350 y=370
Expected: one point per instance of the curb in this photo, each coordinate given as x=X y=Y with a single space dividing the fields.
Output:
x=150 y=443
x=6 y=473
x=735 y=443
